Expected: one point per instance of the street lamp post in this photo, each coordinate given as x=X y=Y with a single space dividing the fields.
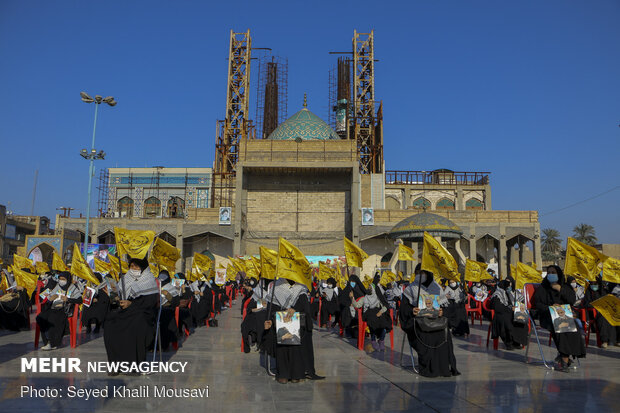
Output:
x=92 y=156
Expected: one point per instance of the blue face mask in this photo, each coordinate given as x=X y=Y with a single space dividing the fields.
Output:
x=594 y=287
x=352 y=284
x=553 y=278
x=509 y=289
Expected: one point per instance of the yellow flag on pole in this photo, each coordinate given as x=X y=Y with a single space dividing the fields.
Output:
x=80 y=268
x=476 y=271
x=387 y=277
x=202 y=263
x=20 y=262
x=117 y=268
x=325 y=272
x=231 y=272
x=583 y=260
x=268 y=263
x=252 y=270
x=405 y=253
x=355 y=255
x=42 y=267
x=154 y=268
x=292 y=264
x=611 y=270
x=102 y=267
x=134 y=243
x=25 y=279
x=165 y=254
x=437 y=259
x=526 y=275
x=4 y=284
x=57 y=263
x=609 y=307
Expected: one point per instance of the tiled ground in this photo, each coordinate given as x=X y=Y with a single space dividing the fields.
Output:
x=356 y=382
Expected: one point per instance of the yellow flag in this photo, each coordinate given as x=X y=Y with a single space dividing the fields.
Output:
x=609 y=307
x=324 y=271
x=154 y=268
x=116 y=270
x=57 y=263
x=387 y=277
x=582 y=259
x=42 y=267
x=268 y=263
x=527 y=274
x=4 y=285
x=437 y=259
x=80 y=268
x=292 y=264
x=25 y=279
x=476 y=271
x=513 y=271
x=367 y=280
x=355 y=255
x=231 y=272
x=102 y=267
x=202 y=263
x=611 y=270
x=165 y=254
x=252 y=270
x=20 y=262
x=342 y=279
x=405 y=253
x=134 y=243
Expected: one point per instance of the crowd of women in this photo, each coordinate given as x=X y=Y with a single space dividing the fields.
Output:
x=429 y=312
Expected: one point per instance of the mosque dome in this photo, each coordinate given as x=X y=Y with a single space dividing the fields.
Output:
x=304 y=125
x=413 y=227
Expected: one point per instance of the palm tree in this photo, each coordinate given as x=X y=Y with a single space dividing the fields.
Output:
x=551 y=244
x=585 y=233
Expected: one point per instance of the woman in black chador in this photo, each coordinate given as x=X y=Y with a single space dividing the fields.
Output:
x=606 y=332
x=455 y=310
x=434 y=348
x=98 y=308
x=15 y=303
x=59 y=304
x=554 y=291
x=348 y=315
x=129 y=328
x=513 y=334
x=329 y=305
x=375 y=312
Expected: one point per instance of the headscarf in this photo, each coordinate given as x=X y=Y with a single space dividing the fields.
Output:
x=428 y=287
x=358 y=290
x=143 y=284
x=505 y=297
x=329 y=292
x=285 y=294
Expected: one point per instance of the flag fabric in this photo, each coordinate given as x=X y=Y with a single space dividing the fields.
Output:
x=437 y=259
x=102 y=267
x=476 y=271
x=268 y=263
x=165 y=254
x=231 y=272
x=582 y=259
x=325 y=272
x=117 y=268
x=42 y=267
x=252 y=270
x=405 y=253
x=80 y=268
x=387 y=277
x=20 y=262
x=611 y=270
x=342 y=279
x=25 y=279
x=292 y=264
x=609 y=307
x=154 y=268
x=355 y=255
x=134 y=243
x=239 y=264
x=4 y=284
x=527 y=274
x=57 y=263
x=201 y=262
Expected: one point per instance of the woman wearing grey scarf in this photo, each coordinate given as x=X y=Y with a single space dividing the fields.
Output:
x=503 y=301
x=376 y=315
x=455 y=309
x=329 y=302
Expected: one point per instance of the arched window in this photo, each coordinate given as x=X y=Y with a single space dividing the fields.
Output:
x=421 y=203
x=391 y=203
x=474 y=204
x=445 y=203
x=152 y=207
x=176 y=206
x=125 y=207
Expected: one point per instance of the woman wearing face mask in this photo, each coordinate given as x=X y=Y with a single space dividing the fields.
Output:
x=578 y=289
x=606 y=332
x=129 y=329
x=375 y=313
x=348 y=315
x=58 y=305
x=554 y=291
x=329 y=305
x=455 y=310
x=434 y=348
x=503 y=301
x=15 y=304
x=98 y=308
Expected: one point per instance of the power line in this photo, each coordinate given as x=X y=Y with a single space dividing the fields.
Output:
x=580 y=202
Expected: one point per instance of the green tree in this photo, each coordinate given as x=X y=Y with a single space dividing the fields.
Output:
x=551 y=244
x=585 y=233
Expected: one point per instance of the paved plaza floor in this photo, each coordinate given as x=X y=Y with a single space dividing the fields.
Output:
x=491 y=380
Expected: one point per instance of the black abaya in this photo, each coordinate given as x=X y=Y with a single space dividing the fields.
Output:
x=503 y=326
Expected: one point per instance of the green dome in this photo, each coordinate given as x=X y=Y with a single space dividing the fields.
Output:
x=413 y=228
x=304 y=125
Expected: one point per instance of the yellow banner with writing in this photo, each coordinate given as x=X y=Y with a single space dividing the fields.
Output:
x=292 y=264
x=526 y=275
x=609 y=307
x=268 y=263
x=80 y=268
x=57 y=263
x=133 y=242
x=165 y=254
x=355 y=255
x=438 y=260
x=583 y=260
x=476 y=271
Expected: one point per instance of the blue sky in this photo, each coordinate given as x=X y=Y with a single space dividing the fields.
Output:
x=528 y=90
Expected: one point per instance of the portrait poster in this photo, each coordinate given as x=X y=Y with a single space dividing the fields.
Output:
x=287 y=331
x=428 y=304
x=225 y=213
x=562 y=317
x=220 y=276
x=89 y=294
x=368 y=216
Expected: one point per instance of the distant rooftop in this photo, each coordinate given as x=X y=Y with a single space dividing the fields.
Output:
x=437 y=177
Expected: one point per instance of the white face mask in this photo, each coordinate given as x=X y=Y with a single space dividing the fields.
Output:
x=452 y=284
x=324 y=285
x=574 y=285
x=134 y=273
x=423 y=278
x=62 y=283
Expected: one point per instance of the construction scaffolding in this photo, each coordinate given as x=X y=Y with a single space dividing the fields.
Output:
x=271 y=94
x=102 y=192
x=339 y=94
x=370 y=146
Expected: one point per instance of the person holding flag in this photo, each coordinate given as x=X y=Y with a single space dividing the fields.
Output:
x=504 y=326
x=15 y=302
x=58 y=305
x=606 y=332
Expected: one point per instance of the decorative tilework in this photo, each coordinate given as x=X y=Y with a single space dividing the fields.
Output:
x=203 y=198
x=304 y=125
x=138 y=202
